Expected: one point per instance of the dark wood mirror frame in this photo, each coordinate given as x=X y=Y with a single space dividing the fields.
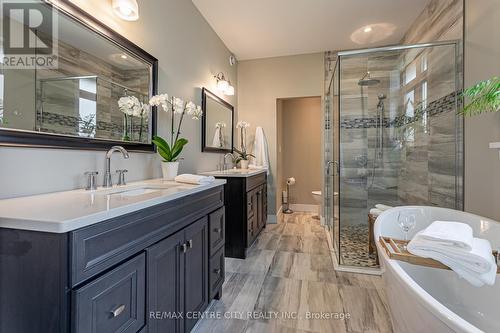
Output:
x=205 y=93
x=44 y=140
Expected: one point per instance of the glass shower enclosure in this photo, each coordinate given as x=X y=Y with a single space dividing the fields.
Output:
x=393 y=137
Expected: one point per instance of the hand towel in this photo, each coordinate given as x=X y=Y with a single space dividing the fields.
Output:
x=449 y=233
x=260 y=150
x=218 y=141
x=375 y=211
x=194 y=179
x=476 y=266
x=382 y=207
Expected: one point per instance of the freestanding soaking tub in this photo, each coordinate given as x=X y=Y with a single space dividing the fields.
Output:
x=434 y=300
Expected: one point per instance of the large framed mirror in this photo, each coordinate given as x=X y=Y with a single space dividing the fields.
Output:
x=73 y=100
x=217 y=124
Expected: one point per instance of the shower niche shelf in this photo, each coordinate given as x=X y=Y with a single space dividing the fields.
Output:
x=395 y=249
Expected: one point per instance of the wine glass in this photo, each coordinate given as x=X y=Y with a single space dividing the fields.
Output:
x=407 y=222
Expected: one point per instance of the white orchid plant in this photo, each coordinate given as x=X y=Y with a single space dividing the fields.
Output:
x=176 y=106
x=132 y=107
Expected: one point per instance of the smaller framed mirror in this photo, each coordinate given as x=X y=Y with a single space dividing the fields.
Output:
x=217 y=124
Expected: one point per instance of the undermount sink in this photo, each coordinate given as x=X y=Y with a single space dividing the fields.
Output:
x=137 y=190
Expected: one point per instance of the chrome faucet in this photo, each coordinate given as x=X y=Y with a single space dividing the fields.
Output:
x=108 y=181
x=224 y=165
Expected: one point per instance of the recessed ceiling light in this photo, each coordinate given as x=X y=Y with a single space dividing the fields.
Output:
x=373 y=33
x=123 y=56
x=126 y=9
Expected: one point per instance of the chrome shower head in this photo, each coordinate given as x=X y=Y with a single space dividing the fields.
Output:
x=381 y=96
x=366 y=81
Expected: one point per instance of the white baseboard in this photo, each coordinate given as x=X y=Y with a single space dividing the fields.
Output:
x=272 y=219
x=304 y=208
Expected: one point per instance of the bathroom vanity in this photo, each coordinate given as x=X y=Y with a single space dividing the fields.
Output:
x=147 y=257
x=245 y=199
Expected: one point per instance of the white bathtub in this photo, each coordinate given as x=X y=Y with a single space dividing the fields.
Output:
x=435 y=300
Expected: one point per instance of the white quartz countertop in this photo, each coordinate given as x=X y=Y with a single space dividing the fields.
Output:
x=61 y=212
x=235 y=173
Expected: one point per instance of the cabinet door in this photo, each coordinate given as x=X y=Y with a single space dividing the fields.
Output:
x=166 y=285
x=260 y=210
x=196 y=267
x=216 y=224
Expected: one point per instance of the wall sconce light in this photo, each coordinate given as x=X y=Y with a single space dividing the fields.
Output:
x=127 y=10
x=224 y=85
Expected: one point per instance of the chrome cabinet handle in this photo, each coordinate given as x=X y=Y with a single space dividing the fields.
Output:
x=118 y=311
x=217 y=271
x=184 y=248
x=190 y=244
x=218 y=230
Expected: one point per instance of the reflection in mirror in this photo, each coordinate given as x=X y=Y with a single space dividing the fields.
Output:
x=79 y=97
x=217 y=129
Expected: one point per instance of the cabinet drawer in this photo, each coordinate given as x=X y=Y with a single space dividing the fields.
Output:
x=114 y=302
x=254 y=181
x=217 y=273
x=216 y=224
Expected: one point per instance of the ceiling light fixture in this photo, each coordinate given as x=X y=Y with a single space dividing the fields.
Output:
x=367 y=29
x=123 y=56
x=224 y=85
x=127 y=10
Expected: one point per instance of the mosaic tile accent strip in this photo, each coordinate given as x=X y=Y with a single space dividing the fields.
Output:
x=436 y=107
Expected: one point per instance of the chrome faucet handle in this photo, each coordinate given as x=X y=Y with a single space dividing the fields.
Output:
x=121 y=176
x=91 y=180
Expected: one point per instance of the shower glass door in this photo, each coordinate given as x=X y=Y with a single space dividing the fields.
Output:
x=397 y=137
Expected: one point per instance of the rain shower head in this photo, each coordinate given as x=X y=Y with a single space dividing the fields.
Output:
x=367 y=81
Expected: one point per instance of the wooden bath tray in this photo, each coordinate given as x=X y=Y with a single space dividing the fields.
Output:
x=395 y=250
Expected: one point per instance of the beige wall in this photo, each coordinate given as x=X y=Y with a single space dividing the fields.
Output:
x=482 y=61
x=300 y=147
x=189 y=54
x=261 y=82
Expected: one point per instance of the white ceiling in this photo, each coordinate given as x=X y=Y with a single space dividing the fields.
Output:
x=267 y=28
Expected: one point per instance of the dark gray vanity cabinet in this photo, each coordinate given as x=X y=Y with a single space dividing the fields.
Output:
x=246 y=212
x=151 y=270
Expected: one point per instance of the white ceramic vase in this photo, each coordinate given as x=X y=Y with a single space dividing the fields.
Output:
x=244 y=164
x=169 y=170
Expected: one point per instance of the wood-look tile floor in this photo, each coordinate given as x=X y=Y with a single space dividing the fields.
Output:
x=288 y=278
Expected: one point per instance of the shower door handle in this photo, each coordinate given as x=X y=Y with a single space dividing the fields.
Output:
x=335 y=164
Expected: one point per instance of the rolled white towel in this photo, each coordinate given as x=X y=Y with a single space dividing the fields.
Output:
x=375 y=211
x=382 y=207
x=477 y=266
x=449 y=233
x=257 y=167
x=194 y=179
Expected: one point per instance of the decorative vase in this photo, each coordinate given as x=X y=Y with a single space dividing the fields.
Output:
x=125 y=135
x=244 y=164
x=169 y=170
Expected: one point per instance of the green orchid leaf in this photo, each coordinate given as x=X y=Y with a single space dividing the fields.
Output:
x=163 y=148
x=178 y=146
